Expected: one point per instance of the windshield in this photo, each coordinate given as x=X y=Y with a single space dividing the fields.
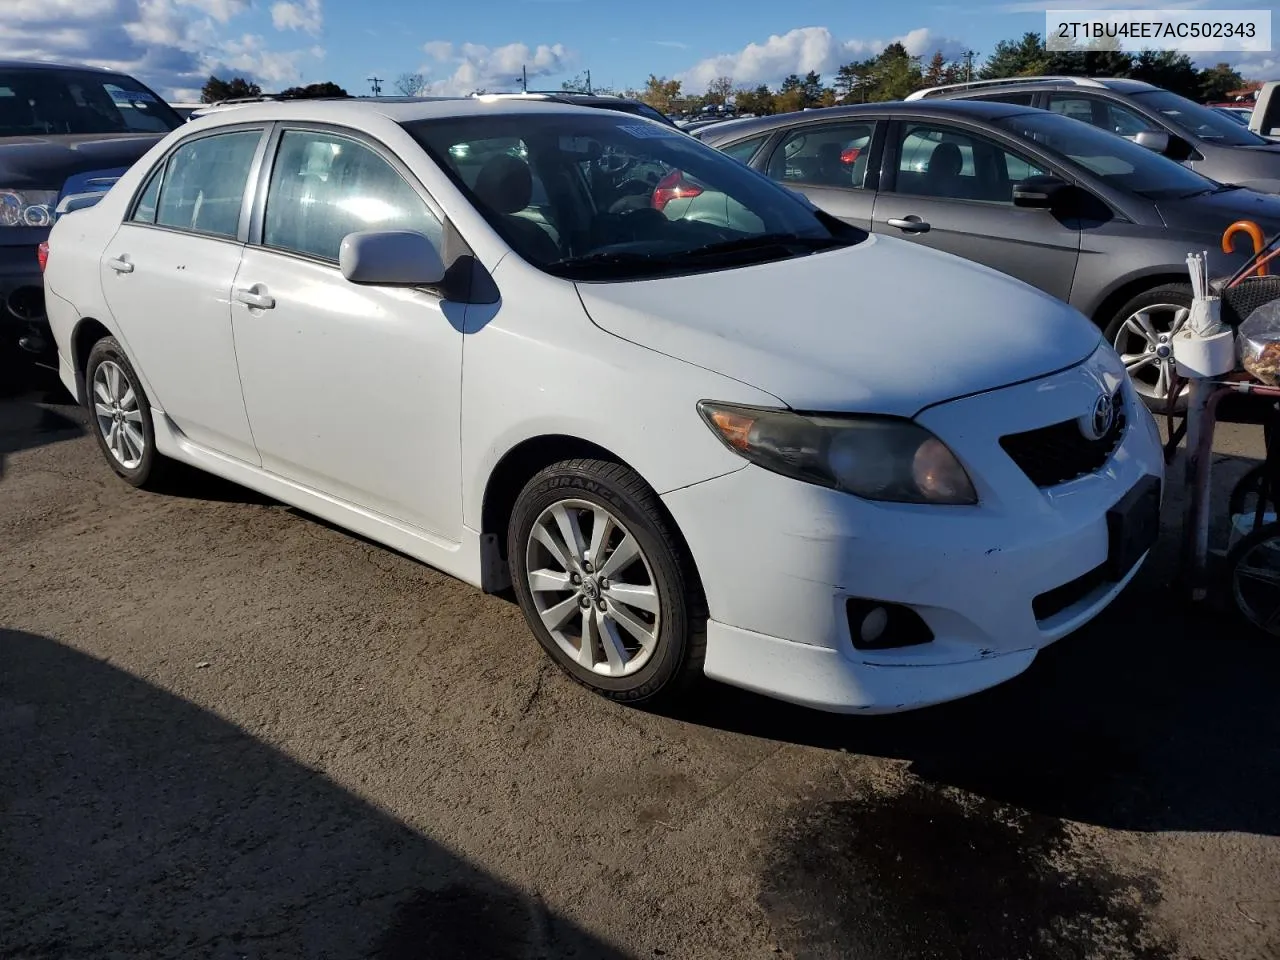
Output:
x=1202 y=122
x=1117 y=162
x=610 y=197
x=68 y=102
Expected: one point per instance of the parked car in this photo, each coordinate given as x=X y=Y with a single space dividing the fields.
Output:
x=1240 y=115
x=64 y=130
x=1165 y=122
x=184 y=109
x=601 y=101
x=689 y=448
x=1080 y=213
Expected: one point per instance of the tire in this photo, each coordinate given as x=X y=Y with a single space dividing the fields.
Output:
x=130 y=445
x=657 y=590
x=1162 y=305
x=1263 y=615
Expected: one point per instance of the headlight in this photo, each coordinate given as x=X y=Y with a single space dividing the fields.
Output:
x=878 y=458
x=27 y=208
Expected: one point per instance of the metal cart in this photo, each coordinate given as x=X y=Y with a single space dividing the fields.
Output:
x=1248 y=577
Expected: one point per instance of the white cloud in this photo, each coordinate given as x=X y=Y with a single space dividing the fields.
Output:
x=220 y=10
x=804 y=49
x=297 y=16
x=1252 y=66
x=439 y=50
x=171 y=45
x=491 y=68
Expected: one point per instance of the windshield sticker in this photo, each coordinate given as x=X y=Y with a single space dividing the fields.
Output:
x=131 y=96
x=644 y=131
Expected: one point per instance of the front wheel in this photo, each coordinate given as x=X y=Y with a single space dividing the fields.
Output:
x=1142 y=332
x=604 y=582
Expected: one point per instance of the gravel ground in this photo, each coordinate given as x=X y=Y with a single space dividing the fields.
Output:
x=229 y=730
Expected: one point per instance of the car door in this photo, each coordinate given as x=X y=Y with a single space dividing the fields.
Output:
x=353 y=391
x=829 y=163
x=951 y=188
x=166 y=276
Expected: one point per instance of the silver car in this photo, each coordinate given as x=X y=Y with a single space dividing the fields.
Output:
x=1082 y=214
x=1198 y=136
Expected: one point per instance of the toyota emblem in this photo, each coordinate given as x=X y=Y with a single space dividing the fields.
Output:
x=1096 y=425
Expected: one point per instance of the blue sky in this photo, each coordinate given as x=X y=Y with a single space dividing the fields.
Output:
x=174 y=44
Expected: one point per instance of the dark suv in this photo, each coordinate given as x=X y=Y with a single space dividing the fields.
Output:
x=1198 y=136
x=64 y=130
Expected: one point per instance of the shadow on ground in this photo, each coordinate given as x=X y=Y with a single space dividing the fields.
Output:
x=137 y=824
x=1154 y=717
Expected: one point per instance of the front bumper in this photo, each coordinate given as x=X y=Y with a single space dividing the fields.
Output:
x=23 y=322
x=780 y=560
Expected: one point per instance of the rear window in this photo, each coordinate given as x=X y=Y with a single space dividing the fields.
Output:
x=46 y=102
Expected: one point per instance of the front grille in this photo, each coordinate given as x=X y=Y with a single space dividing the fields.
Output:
x=1057 y=454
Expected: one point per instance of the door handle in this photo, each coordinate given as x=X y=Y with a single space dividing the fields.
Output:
x=910 y=224
x=120 y=265
x=254 y=298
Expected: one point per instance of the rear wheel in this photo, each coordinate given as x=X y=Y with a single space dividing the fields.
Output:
x=604 y=582
x=1142 y=332
x=121 y=415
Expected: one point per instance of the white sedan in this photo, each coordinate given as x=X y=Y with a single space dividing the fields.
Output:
x=762 y=446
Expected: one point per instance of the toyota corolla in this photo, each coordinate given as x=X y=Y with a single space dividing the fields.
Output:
x=757 y=444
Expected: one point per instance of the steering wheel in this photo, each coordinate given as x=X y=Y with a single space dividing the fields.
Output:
x=615 y=162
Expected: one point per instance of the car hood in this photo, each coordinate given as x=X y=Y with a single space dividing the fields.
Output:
x=47 y=163
x=1212 y=213
x=881 y=327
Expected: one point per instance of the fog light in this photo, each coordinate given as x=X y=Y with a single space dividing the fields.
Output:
x=874 y=625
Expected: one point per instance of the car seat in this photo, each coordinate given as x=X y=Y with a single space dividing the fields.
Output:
x=830 y=170
x=505 y=187
x=16 y=115
x=942 y=178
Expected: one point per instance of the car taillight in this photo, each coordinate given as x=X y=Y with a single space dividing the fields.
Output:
x=673 y=187
x=849 y=154
x=42 y=254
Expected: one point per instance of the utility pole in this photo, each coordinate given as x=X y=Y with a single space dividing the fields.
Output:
x=968 y=65
x=524 y=79
x=376 y=82
x=588 y=82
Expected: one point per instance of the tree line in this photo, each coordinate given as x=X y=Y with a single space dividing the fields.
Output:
x=890 y=75
x=238 y=88
x=894 y=73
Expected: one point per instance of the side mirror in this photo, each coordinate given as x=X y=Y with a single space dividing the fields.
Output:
x=1157 y=141
x=402 y=258
x=1039 y=192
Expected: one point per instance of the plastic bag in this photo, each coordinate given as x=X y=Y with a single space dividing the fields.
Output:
x=1259 y=343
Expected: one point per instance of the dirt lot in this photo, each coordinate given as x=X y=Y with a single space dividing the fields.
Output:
x=228 y=730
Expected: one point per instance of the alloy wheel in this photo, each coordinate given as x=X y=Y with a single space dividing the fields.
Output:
x=115 y=407
x=1145 y=344
x=593 y=588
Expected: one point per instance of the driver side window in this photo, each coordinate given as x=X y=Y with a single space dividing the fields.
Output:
x=935 y=160
x=827 y=156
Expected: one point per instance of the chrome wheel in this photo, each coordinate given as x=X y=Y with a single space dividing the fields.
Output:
x=1145 y=344
x=115 y=406
x=593 y=588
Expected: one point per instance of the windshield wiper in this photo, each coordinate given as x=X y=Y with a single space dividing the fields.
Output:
x=1220 y=188
x=764 y=241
